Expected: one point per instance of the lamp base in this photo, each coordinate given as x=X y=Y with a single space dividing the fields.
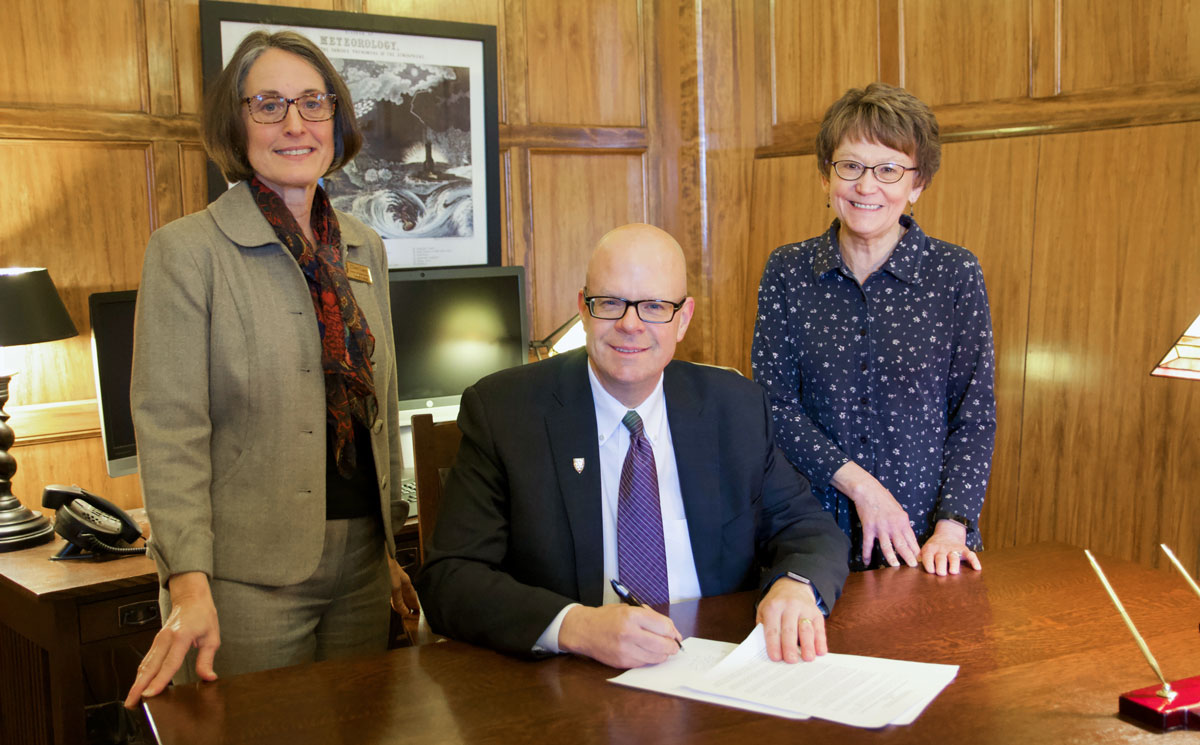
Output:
x=20 y=527
x=1146 y=707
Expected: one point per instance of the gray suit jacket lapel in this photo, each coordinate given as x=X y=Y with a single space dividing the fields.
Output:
x=237 y=215
x=239 y=218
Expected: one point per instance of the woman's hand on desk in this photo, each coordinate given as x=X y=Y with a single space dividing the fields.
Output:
x=404 y=595
x=882 y=517
x=947 y=548
x=192 y=623
x=619 y=635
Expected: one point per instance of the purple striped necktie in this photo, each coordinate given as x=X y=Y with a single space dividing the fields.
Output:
x=641 y=551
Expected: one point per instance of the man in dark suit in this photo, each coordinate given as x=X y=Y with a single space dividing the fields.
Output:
x=561 y=460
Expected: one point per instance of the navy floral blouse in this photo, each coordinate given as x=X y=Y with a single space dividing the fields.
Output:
x=895 y=374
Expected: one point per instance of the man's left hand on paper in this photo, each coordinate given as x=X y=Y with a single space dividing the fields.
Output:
x=793 y=625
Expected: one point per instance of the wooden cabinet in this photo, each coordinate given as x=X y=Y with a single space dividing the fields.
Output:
x=69 y=635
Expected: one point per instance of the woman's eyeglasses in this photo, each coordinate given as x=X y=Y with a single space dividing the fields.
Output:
x=312 y=107
x=885 y=173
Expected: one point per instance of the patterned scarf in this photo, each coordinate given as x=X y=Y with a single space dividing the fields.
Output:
x=346 y=342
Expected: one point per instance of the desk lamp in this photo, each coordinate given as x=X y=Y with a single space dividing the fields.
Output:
x=1183 y=359
x=566 y=337
x=31 y=312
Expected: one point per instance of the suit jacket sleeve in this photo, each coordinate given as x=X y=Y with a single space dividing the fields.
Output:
x=170 y=402
x=795 y=533
x=465 y=570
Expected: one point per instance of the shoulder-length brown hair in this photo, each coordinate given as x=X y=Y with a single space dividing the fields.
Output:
x=223 y=130
x=885 y=114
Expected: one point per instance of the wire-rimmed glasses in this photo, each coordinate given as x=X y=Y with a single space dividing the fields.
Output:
x=885 y=173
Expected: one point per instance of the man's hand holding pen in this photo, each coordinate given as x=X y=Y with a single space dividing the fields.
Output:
x=633 y=634
x=628 y=598
x=619 y=635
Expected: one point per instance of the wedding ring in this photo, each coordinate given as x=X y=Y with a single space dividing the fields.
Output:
x=806 y=620
x=956 y=553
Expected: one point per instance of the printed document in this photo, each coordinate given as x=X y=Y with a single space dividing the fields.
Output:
x=853 y=690
x=697 y=658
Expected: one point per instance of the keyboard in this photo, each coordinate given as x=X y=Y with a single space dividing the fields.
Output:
x=408 y=492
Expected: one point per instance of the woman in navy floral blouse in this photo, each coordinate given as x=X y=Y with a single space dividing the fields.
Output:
x=874 y=342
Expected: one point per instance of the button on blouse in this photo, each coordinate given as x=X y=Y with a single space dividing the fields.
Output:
x=895 y=374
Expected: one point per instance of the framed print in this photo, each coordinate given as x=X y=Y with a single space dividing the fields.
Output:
x=428 y=176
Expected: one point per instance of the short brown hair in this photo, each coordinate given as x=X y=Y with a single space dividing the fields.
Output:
x=885 y=114
x=222 y=128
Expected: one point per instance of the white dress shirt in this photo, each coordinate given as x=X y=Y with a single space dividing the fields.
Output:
x=682 y=581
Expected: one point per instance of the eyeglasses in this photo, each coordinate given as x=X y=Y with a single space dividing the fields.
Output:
x=312 y=107
x=614 y=308
x=885 y=173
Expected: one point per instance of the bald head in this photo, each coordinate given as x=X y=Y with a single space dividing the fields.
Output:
x=635 y=263
x=639 y=253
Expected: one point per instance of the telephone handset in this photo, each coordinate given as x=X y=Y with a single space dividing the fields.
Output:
x=90 y=522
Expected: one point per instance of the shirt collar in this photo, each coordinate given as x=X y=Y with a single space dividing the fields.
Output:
x=610 y=411
x=827 y=258
x=904 y=263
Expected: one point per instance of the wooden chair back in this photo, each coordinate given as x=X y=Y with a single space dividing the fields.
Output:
x=434 y=449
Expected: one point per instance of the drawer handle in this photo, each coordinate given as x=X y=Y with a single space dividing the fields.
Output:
x=141 y=613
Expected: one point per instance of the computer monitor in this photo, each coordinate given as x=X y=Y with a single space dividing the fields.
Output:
x=112 y=359
x=452 y=327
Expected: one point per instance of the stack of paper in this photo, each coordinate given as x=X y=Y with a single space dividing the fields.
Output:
x=859 y=691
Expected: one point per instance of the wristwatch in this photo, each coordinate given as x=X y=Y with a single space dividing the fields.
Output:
x=798 y=578
x=953 y=517
x=816 y=593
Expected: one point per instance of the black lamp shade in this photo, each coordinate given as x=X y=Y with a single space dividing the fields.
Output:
x=30 y=309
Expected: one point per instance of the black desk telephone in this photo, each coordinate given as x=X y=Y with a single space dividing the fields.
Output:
x=90 y=523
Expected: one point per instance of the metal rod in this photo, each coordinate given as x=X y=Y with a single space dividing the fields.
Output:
x=1166 y=691
x=1179 y=566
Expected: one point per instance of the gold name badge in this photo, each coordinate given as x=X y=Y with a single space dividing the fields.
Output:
x=358 y=272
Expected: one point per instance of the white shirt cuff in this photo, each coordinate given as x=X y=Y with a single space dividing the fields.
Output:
x=548 y=641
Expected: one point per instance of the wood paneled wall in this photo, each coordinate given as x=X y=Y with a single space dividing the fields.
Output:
x=1068 y=169
x=99 y=145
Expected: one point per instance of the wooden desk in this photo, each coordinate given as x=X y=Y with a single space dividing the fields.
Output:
x=56 y=618
x=1043 y=658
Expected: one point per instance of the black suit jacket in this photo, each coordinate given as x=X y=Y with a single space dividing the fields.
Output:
x=519 y=529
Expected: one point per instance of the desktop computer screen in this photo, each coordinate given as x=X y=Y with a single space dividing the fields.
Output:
x=451 y=328
x=112 y=360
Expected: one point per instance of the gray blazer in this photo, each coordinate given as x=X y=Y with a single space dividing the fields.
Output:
x=228 y=395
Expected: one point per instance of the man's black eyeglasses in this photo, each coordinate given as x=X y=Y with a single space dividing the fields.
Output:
x=614 y=308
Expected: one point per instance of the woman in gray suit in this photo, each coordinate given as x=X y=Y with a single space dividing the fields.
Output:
x=264 y=391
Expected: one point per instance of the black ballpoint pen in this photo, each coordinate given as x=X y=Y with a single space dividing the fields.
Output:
x=629 y=598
